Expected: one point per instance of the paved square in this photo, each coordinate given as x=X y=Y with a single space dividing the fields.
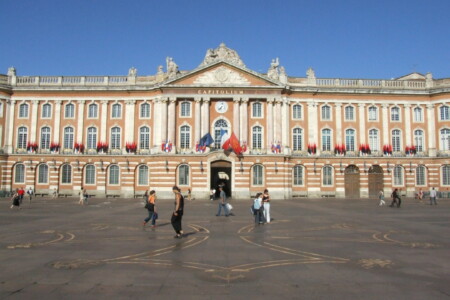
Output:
x=313 y=249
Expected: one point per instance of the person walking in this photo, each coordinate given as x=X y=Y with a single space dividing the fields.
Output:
x=212 y=193
x=266 y=204
x=381 y=197
x=433 y=196
x=82 y=196
x=222 y=203
x=55 y=193
x=30 y=193
x=15 y=200
x=258 y=209
x=21 y=193
x=420 y=195
x=178 y=212
x=151 y=208
x=395 y=199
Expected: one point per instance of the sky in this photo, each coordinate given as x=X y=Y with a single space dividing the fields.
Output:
x=338 y=39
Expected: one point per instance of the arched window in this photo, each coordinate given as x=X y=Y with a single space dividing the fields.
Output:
x=446 y=175
x=297 y=112
x=91 y=138
x=46 y=110
x=143 y=175
x=445 y=139
x=89 y=174
x=68 y=137
x=19 y=173
x=22 y=136
x=326 y=112
x=144 y=138
x=257 y=110
x=326 y=139
x=114 y=174
x=297 y=175
x=373 y=113
x=374 y=141
x=350 y=139
x=219 y=127
x=45 y=137
x=66 y=174
x=445 y=113
x=70 y=111
x=327 y=176
x=185 y=109
x=92 y=111
x=43 y=173
x=145 y=110
x=23 y=110
x=183 y=175
x=395 y=114
x=185 y=137
x=418 y=140
x=257 y=137
x=258 y=175
x=398 y=176
x=418 y=115
x=115 y=138
x=396 y=140
x=420 y=175
x=297 y=135
x=349 y=113
x=116 y=111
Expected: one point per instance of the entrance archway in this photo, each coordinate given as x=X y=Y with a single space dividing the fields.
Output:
x=352 y=182
x=221 y=176
x=375 y=181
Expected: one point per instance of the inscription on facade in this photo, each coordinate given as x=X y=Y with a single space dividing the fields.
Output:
x=220 y=92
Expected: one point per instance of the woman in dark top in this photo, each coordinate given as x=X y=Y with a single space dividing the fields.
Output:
x=178 y=212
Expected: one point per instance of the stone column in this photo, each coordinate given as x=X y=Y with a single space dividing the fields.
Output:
x=34 y=117
x=362 y=124
x=57 y=121
x=80 y=125
x=431 y=120
x=385 y=124
x=163 y=104
x=236 y=117
x=338 y=109
x=285 y=128
x=277 y=120
x=244 y=120
x=171 y=124
x=130 y=106
x=9 y=130
x=103 y=119
x=156 y=123
x=313 y=134
x=270 y=123
x=408 y=133
x=205 y=116
x=198 y=120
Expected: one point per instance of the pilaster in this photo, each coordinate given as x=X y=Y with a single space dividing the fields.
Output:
x=431 y=118
x=385 y=124
x=338 y=109
x=205 y=115
x=171 y=120
x=104 y=116
x=80 y=125
x=362 y=123
x=130 y=107
x=197 y=121
x=34 y=116
x=57 y=121
x=9 y=130
x=244 y=119
x=236 y=117
x=408 y=133
x=270 y=123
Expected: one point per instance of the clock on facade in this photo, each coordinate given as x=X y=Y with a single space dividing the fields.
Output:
x=221 y=107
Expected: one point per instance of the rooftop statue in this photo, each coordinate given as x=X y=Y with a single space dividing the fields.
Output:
x=272 y=73
x=222 y=53
x=132 y=72
x=172 y=68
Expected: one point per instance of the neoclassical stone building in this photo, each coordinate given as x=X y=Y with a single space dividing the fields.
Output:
x=303 y=136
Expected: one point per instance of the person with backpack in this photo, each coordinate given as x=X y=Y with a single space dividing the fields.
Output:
x=258 y=209
x=395 y=197
x=30 y=193
x=15 y=200
x=151 y=208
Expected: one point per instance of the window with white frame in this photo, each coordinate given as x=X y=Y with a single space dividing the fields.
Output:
x=91 y=138
x=185 y=109
x=66 y=174
x=297 y=112
x=373 y=112
x=89 y=174
x=297 y=135
x=398 y=176
x=257 y=172
x=144 y=138
x=257 y=137
x=396 y=140
x=116 y=111
x=183 y=175
x=418 y=115
x=22 y=136
x=115 y=138
x=69 y=111
x=326 y=139
x=114 y=174
x=143 y=175
x=327 y=176
x=445 y=113
x=19 y=173
x=68 y=137
x=92 y=111
x=185 y=137
x=349 y=113
x=446 y=175
x=46 y=111
x=395 y=114
x=257 y=110
x=298 y=175
x=420 y=175
x=45 y=137
x=419 y=140
x=374 y=140
x=445 y=139
x=326 y=112
x=350 y=140
x=43 y=173
x=145 y=110
x=23 y=110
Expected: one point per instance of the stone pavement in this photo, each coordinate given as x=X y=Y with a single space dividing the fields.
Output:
x=313 y=249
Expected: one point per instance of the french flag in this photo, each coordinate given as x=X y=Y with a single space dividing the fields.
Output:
x=230 y=142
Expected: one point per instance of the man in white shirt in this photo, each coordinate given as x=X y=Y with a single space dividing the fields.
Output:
x=433 y=197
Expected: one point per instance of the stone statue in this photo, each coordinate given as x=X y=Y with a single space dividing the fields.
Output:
x=172 y=67
x=12 y=71
x=310 y=74
x=283 y=75
x=222 y=53
x=132 y=72
x=272 y=73
x=160 y=70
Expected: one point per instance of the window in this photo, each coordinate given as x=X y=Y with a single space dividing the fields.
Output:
x=326 y=112
x=185 y=137
x=116 y=110
x=219 y=127
x=89 y=174
x=185 y=109
x=114 y=174
x=92 y=111
x=327 y=179
x=257 y=175
x=257 y=110
x=445 y=114
x=349 y=113
x=19 y=176
x=395 y=114
x=445 y=139
x=183 y=175
x=66 y=174
x=398 y=176
x=70 y=111
x=418 y=140
x=350 y=140
x=144 y=138
x=326 y=140
x=446 y=175
x=145 y=110
x=298 y=175
x=91 y=138
x=43 y=173
x=396 y=140
x=420 y=175
x=374 y=143
x=22 y=136
x=418 y=115
x=143 y=175
x=372 y=113
x=115 y=138
x=297 y=112
x=297 y=139
x=23 y=110
x=46 y=110
x=257 y=137
x=45 y=138
x=68 y=137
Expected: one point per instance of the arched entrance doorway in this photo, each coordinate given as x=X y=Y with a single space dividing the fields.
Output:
x=352 y=183
x=375 y=180
x=221 y=176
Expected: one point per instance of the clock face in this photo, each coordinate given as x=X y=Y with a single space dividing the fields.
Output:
x=221 y=107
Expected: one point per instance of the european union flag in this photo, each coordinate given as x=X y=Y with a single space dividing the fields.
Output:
x=206 y=140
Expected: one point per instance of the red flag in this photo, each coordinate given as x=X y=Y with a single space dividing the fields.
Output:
x=233 y=143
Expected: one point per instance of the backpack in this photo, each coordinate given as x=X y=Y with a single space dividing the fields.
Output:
x=256 y=204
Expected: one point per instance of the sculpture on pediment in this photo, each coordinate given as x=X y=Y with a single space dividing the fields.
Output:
x=272 y=73
x=172 y=67
x=11 y=71
x=310 y=74
x=160 y=70
x=132 y=72
x=222 y=53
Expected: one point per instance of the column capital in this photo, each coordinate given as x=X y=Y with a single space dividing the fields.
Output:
x=236 y=100
x=206 y=99
x=278 y=100
x=35 y=102
x=385 y=105
x=361 y=104
x=81 y=101
x=58 y=102
x=130 y=102
x=197 y=99
x=311 y=104
x=172 y=99
x=430 y=106
x=104 y=102
x=244 y=100
x=338 y=104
